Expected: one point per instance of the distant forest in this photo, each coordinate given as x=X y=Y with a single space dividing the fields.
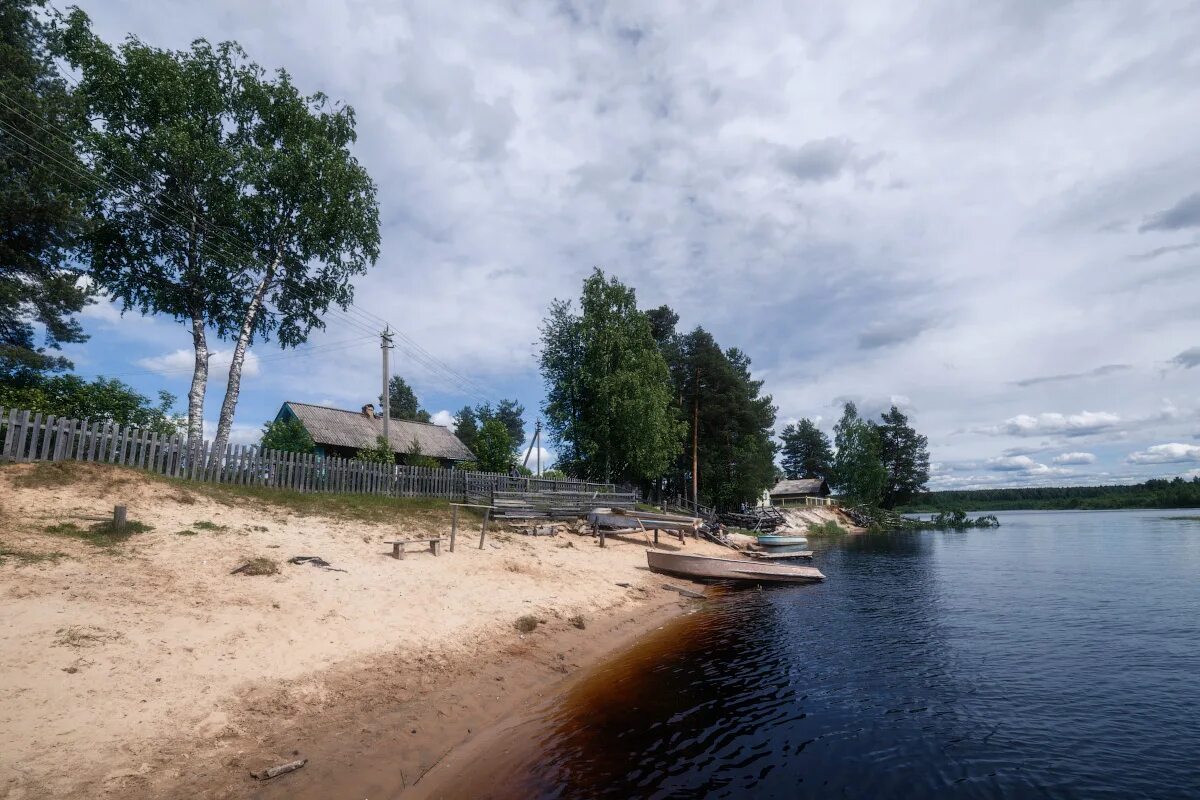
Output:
x=1176 y=493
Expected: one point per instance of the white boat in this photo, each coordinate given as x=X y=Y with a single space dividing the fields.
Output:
x=730 y=569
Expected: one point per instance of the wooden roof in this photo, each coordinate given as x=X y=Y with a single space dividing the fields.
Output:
x=342 y=428
x=811 y=487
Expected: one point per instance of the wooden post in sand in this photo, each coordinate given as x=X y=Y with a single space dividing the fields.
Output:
x=483 y=533
x=118 y=519
x=453 y=525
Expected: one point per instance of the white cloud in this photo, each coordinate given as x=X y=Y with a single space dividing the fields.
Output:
x=1172 y=453
x=1191 y=474
x=443 y=417
x=181 y=362
x=656 y=139
x=1075 y=458
x=1023 y=464
x=239 y=433
x=1053 y=424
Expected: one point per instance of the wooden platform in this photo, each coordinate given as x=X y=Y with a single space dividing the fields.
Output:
x=766 y=555
x=552 y=505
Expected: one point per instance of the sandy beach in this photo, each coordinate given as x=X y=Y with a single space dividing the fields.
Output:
x=145 y=669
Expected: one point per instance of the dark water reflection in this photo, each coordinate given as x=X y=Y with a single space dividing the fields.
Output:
x=1057 y=657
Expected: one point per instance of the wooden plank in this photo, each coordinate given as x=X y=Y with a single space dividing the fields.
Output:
x=43 y=444
x=10 y=433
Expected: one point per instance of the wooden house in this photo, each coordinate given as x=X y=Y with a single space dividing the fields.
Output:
x=342 y=433
x=796 y=491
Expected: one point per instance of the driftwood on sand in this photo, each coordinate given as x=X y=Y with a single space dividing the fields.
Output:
x=282 y=769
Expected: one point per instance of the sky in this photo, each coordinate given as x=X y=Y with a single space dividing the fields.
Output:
x=985 y=213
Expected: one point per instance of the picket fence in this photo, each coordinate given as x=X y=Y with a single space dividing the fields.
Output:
x=30 y=436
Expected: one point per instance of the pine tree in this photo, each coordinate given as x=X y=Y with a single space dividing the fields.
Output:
x=905 y=456
x=806 y=451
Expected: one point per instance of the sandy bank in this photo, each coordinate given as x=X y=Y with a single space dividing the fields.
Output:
x=146 y=670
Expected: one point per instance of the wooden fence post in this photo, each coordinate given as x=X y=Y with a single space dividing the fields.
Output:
x=483 y=533
x=118 y=519
x=453 y=526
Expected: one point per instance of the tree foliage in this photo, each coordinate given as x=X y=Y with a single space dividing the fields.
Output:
x=250 y=216
x=714 y=387
x=288 y=436
x=43 y=199
x=508 y=413
x=466 y=426
x=100 y=400
x=905 y=455
x=1156 y=493
x=403 y=403
x=806 y=451
x=608 y=405
x=415 y=458
x=859 y=472
x=381 y=453
x=493 y=447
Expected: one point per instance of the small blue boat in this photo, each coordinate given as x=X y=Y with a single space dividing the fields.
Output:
x=782 y=541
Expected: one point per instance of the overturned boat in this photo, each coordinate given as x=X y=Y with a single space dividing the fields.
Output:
x=782 y=541
x=700 y=567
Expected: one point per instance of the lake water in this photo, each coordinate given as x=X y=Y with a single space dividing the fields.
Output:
x=1058 y=656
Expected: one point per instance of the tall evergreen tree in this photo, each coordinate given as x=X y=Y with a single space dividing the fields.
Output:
x=608 y=397
x=859 y=473
x=729 y=423
x=806 y=451
x=44 y=191
x=466 y=426
x=509 y=413
x=402 y=401
x=905 y=456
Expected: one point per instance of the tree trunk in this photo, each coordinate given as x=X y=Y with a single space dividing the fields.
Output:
x=199 y=384
x=233 y=387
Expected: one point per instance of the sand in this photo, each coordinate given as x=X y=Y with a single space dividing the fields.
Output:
x=147 y=670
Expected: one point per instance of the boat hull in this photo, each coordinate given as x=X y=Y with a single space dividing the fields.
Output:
x=781 y=541
x=729 y=569
x=621 y=518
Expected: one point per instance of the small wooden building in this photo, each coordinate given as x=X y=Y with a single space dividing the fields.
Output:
x=342 y=433
x=796 y=491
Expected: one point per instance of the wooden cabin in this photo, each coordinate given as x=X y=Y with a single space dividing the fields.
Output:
x=341 y=433
x=797 y=491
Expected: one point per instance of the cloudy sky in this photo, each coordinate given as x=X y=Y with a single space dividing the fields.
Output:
x=987 y=213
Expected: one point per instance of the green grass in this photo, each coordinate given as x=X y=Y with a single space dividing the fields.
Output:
x=826 y=528
x=188 y=532
x=261 y=566
x=100 y=534
x=365 y=508
x=205 y=525
x=46 y=474
x=527 y=623
x=28 y=556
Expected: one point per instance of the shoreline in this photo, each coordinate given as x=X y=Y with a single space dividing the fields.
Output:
x=152 y=671
x=395 y=747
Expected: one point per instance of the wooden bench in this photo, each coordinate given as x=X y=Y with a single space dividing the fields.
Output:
x=435 y=546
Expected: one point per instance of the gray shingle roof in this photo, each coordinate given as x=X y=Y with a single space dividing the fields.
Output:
x=336 y=426
x=805 y=486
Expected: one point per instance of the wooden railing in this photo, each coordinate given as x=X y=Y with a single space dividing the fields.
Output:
x=30 y=436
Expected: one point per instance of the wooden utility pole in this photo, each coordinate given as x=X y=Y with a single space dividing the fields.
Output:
x=696 y=441
x=536 y=441
x=385 y=344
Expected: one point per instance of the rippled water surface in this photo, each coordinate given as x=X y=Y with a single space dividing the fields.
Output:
x=1056 y=657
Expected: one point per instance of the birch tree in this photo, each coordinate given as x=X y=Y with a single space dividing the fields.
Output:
x=228 y=200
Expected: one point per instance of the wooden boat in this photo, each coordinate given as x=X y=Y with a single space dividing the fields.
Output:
x=729 y=569
x=786 y=548
x=628 y=518
x=774 y=553
x=781 y=541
